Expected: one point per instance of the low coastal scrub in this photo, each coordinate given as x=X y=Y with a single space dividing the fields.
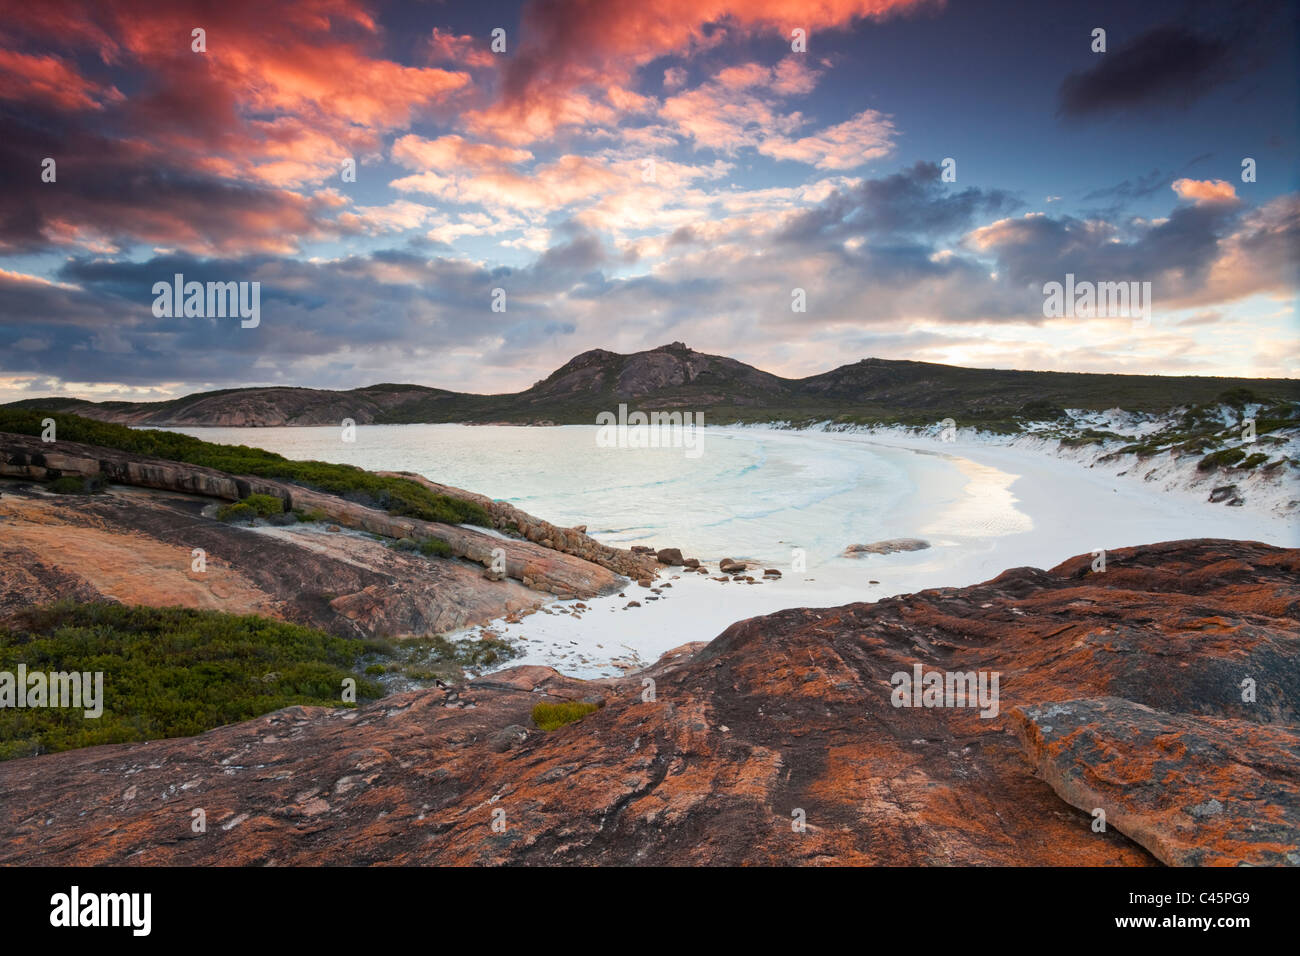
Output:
x=429 y=547
x=265 y=505
x=77 y=485
x=424 y=660
x=435 y=548
x=1089 y=436
x=1221 y=459
x=252 y=507
x=397 y=496
x=552 y=716
x=237 y=513
x=1215 y=432
x=167 y=672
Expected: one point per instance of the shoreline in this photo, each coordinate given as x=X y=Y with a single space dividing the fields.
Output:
x=1017 y=505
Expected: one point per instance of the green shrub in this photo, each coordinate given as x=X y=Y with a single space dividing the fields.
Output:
x=466 y=652
x=397 y=496
x=265 y=505
x=435 y=547
x=551 y=716
x=254 y=506
x=168 y=672
x=237 y=513
x=76 y=485
x=1041 y=410
x=1237 y=397
x=1221 y=459
x=429 y=547
x=1254 y=461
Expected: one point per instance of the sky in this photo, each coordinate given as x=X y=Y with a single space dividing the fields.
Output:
x=900 y=179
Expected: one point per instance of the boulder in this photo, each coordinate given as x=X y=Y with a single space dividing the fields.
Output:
x=670 y=556
x=1147 y=660
x=507 y=738
x=887 y=547
x=1193 y=790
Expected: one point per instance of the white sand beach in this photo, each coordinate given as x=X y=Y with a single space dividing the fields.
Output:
x=983 y=506
x=984 y=503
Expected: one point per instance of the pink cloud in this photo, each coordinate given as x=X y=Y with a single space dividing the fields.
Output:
x=463 y=51
x=571 y=44
x=867 y=136
x=297 y=85
x=1205 y=190
x=50 y=81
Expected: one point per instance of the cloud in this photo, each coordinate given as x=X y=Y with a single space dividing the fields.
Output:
x=867 y=136
x=1166 y=66
x=568 y=45
x=372 y=311
x=885 y=265
x=461 y=50
x=1205 y=190
x=455 y=170
x=911 y=202
x=739 y=108
x=50 y=81
x=113 y=193
x=1204 y=254
x=203 y=152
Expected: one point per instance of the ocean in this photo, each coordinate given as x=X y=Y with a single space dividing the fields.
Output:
x=782 y=499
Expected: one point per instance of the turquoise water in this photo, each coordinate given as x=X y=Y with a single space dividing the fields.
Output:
x=744 y=494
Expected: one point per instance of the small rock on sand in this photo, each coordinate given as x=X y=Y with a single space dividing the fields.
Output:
x=887 y=547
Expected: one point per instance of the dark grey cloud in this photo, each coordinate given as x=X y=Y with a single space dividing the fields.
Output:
x=1114 y=200
x=581 y=252
x=913 y=202
x=1171 y=65
x=1176 y=252
x=125 y=192
x=96 y=323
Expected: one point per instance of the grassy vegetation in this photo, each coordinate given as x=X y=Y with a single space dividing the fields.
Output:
x=250 y=508
x=1089 y=436
x=435 y=548
x=552 y=716
x=77 y=485
x=1221 y=459
x=436 y=658
x=237 y=513
x=265 y=505
x=1201 y=430
x=168 y=672
x=429 y=547
x=398 y=496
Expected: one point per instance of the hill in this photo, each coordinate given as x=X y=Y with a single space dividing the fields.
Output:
x=676 y=377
